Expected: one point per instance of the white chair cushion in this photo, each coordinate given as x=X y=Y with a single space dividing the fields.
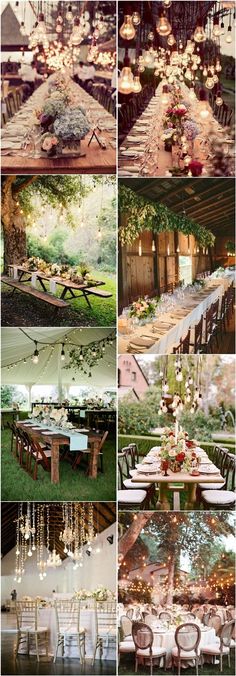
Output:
x=128 y=638
x=127 y=647
x=232 y=643
x=131 y=496
x=156 y=652
x=211 y=487
x=190 y=654
x=32 y=630
x=219 y=497
x=129 y=484
x=214 y=649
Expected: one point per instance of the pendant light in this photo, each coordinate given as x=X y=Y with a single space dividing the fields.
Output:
x=163 y=26
x=199 y=33
x=153 y=246
x=210 y=80
x=140 y=248
x=137 y=87
x=136 y=18
x=127 y=30
x=69 y=14
x=216 y=27
x=219 y=100
x=171 y=40
x=126 y=78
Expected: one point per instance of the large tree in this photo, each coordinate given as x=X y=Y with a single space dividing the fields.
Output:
x=17 y=203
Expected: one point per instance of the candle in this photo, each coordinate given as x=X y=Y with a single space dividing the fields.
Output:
x=176 y=430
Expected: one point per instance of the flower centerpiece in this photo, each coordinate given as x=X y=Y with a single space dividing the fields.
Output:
x=143 y=309
x=102 y=594
x=177 y=451
x=82 y=594
x=59 y=416
x=37 y=412
x=71 y=127
x=195 y=167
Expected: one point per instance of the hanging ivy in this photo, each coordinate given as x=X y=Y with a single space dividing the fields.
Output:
x=142 y=214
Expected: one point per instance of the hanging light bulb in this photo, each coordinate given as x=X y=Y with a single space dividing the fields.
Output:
x=137 y=87
x=204 y=72
x=69 y=14
x=35 y=356
x=215 y=78
x=22 y=28
x=153 y=246
x=140 y=248
x=76 y=35
x=167 y=3
x=62 y=353
x=136 y=18
x=218 y=66
x=163 y=26
x=127 y=30
x=150 y=36
x=165 y=387
x=199 y=33
x=171 y=40
x=210 y=80
x=219 y=100
x=99 y=233
x=216 y=27
x=229 y=35
x=126 y=78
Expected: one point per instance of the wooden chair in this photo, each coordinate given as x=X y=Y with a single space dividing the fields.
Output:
x=224 y=498
x=144 y=650
x=86 y=453
x=215 y=622
x=130 y=498
x=37 y=455
x=28 y=627
x=187 y=639
x=68 y=626
x=197 y=342
x=183 y=347
x=222 y=649
x=165 y=616
x=126 y=628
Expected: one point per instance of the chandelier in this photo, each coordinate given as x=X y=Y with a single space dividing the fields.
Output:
x=27 y=526
x=54 y=559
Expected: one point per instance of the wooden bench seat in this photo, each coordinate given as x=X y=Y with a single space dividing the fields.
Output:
x=94 y=291
x=41 y=295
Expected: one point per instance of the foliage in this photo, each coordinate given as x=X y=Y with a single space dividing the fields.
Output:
x=137 y=417
x=9 y=393
x=230 y=247
x=198 y=425
x=139 y=590
x=143 y=214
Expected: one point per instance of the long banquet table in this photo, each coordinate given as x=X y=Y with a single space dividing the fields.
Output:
x=42 y=433
x=95 y=160
x=142 y=152
x=190 y=481
x=179 y=320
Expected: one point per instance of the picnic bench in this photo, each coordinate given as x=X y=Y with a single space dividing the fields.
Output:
x=68 y=287
x=57 y=303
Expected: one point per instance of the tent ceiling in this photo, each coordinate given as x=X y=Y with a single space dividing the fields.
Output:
x=104 y=516
x=211 y=203
x=16 y=345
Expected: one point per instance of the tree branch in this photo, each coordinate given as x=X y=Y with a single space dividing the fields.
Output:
x=24 y=185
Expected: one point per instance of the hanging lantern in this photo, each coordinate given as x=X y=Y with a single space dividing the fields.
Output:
x=127 y=30
x=199 y=33
x=163 y=26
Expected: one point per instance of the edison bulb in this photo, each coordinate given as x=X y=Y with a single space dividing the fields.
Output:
x=136 y=19
x=141 y=69
x=137 y=87
x=216 y=29
x=204 y=72
x=150 y=36
x=210 y=81
x=229 y=36
x=215 y=78
x=125 y=81
x=199 y=34
x=219 y=101
x=163 y=26
x=127 y=30
x=171 y=40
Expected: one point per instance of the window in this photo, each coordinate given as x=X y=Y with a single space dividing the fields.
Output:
x=185 y=269
x=133 y=376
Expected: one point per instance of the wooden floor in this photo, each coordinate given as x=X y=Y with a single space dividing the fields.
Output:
x=28 y=665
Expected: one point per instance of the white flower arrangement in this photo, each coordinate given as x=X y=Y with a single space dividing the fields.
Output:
x=37 y=411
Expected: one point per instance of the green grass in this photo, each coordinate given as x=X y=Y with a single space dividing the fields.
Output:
x=101 y=313
x=127 y=667
x=74 y=484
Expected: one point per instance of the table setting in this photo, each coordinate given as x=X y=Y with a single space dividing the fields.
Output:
x=59 y=123
x=157 y=325
x=178 y=460
x=177 y=142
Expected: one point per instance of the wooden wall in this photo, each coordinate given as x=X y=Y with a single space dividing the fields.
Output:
x=152 y=272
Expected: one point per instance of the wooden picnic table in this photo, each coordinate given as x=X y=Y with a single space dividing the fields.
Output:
x=57 y=440
x=70 y=287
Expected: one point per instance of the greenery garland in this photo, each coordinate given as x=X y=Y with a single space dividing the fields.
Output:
x=143 y=214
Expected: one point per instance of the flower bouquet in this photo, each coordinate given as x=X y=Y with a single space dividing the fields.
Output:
x=102 y=594
x=37 y=412
x=83 y=594
x=70 y=128
x=174 y=451
x=143 y=309
x=59 y=416
x=195 y=167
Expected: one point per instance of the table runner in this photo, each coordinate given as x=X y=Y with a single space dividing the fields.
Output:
x=78 y=441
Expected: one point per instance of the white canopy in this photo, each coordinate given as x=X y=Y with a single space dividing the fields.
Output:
x=50 y=370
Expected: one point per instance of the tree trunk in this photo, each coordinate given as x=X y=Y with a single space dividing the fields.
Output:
x=170 y=582
x=129 y=538
x=13 y=226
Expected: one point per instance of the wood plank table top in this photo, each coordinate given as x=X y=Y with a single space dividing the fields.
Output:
x=62 y=439
x=59 y=280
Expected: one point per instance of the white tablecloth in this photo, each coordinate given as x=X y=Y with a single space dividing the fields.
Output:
x=47 y=618
x=165 y=344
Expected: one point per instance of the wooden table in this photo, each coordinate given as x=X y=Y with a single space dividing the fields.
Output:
x=57 y=440
x=68 y=286
x=96 y=161
x=190 y=484
x=13 y=412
